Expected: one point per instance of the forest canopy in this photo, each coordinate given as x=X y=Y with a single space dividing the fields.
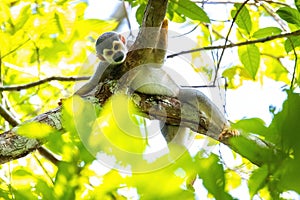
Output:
x=47 y=47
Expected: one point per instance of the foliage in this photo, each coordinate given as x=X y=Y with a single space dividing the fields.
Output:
x=43 y=38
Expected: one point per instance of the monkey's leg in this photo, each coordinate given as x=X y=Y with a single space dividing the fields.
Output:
x=176 y=134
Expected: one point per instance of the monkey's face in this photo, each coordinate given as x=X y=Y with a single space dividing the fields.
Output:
x=116 y=53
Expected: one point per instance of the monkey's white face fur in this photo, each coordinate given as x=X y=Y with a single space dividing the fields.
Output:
x=116 y=54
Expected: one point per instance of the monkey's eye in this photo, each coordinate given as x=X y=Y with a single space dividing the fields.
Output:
x=109 y=53
x=117 y=46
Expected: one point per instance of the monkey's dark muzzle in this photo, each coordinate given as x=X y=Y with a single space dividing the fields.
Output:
x=119 y=57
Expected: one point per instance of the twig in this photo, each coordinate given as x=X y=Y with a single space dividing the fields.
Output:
x=284 y=27
x=221 y=2
x=233 y=2
x=271 y=12
x=37 y=50
x=8 y=116
x=43 y=168
x=262 y=40
x=52 y=78
x=295 y=65
x=48 y=155
x=10 y=52
x=127 y=18
x=226 y=39
x=193 y=29
x=198 y=86
x=220 y=35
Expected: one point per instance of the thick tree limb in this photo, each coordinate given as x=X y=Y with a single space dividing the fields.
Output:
x=13 y=146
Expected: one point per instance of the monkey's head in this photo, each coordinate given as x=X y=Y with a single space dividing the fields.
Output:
x=111 y=47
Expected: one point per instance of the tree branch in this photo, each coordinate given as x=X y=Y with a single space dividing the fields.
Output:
x=234 y=2
x=8 y=117
x=33 y=84
x=262 y=40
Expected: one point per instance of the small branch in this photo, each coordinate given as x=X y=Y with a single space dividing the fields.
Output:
x=295 y=65
x=262 y=40
x=272 y=13
x=127 y=17
x=8 y=116
x=226 y=39
x=193 y=29
x=49 y=156
x=222 y=2
x=10 y=52
x=33 y=84
x=37 y=51
x=233 y=2
x=43 y=168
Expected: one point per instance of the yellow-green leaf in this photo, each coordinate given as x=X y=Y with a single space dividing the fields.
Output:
x=189 y=9
x=291 y=15
x=35 y=130
x=258 y=180
x=297 y=4
x=243 y=19
x=250 y=57
x=266 y=32
x=291 y=43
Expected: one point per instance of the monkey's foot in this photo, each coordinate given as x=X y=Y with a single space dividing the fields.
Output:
x=165 y=24
x=228 y=133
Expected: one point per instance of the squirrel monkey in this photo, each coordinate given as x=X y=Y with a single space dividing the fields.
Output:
x=111 y=50
x=150 y=78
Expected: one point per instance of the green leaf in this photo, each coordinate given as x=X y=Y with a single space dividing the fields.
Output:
x=291 y=43
x=58 y=23
x=23 y=17
x=253 y=125
x=44 y=190
x=189 y=9
x=250 y=57
x=243 y=19
x=35 y=130
x=233 y=180
x=173 y=16
x=22 y=172
x=297 y=4
x=64 y=185
x=266 y=32
x=85 y=27
x=140 y=13
x=275 y=70
x=236 y=75
x=285 y=125
x=258 y=180
x=212 y=173
x=290 y=15
x=254 y=151
x=78 y=115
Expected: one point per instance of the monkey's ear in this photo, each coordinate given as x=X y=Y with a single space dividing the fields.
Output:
x=122 y=38
x=101 y=57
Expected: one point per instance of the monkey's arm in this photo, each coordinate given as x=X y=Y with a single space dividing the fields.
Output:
x=93 y=81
